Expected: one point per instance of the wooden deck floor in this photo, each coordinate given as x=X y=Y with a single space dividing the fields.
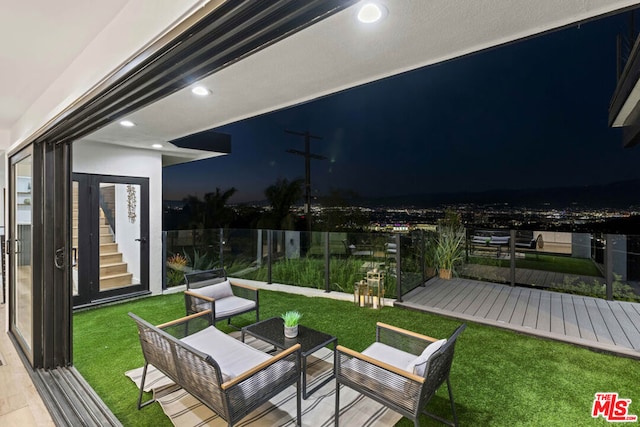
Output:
x=612 y=326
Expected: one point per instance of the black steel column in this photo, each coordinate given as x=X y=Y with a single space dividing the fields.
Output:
x=269 y=253
x=608 y=264
x=327 y=267
x=398 y=269
x=512 y=252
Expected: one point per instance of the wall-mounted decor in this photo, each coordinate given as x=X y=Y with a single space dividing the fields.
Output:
x=131 y=203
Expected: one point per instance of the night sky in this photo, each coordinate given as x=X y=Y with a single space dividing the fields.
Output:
x=531 y=114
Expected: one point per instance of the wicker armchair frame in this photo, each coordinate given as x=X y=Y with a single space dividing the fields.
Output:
x=400 y=390
x=200 y=375
x=193 y=301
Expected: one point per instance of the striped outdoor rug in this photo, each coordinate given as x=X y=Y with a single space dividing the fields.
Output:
x=355 y=409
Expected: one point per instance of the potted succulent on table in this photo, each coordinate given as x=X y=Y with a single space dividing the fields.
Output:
x=291 y=320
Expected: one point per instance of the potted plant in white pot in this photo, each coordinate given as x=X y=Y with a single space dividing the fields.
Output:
x=291 y=320
x=449 y=251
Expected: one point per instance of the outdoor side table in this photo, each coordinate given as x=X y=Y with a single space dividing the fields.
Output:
x=272 y=331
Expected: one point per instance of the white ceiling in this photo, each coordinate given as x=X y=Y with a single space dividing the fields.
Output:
x=38 y=41
x=333 y=55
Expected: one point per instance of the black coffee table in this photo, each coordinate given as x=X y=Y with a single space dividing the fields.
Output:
x=310 y=340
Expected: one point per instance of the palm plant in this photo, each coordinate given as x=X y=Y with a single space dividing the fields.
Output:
x=282 y=195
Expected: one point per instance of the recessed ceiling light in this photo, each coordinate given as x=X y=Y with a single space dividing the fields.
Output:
x=370 y=13
x=200 y=91
x=127 y=123
x=157 y=146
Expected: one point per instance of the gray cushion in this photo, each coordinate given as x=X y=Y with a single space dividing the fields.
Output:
x=232 y=305
x=419 y=363
x=217 y=291
x=233 y=356
x=390 y=355
x=205 y=283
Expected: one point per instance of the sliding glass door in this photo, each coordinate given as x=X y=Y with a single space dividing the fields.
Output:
x=19 y=246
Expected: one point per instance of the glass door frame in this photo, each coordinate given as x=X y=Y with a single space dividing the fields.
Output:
x=89 y=292
x=14 y=250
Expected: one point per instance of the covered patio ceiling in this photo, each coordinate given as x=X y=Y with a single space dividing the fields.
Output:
x=332 y=55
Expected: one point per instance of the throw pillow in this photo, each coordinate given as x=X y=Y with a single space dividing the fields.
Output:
x=218 y=291
x=418 y=365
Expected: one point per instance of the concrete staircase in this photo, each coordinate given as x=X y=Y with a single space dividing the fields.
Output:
x=113 y=270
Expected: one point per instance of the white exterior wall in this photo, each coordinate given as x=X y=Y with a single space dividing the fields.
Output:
x=127 y=232
x=107 y=159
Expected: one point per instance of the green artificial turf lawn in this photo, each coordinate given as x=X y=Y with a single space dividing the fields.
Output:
x=499 y=378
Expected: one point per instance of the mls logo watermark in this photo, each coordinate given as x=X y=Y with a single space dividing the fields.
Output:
x=612 y=408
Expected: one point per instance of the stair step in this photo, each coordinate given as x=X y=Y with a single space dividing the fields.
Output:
x=110 y=247
x=106 y=238
x=111 y=269
x=115 y=281
x=110 y=258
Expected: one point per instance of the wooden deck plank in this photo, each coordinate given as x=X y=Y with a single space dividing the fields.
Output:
x=627 y=325
x=537 y=277
x=633 y=312
x=544 y=313
x=460 y=297
x=612 y=324
x=570 y=319
x=432 y=290
x=499 y=303
x=471 y=297
x=585 y=325
x=457 y=287
x=509 y=306
x=521 y=307
x=531 y=315
x=592 y=321
x=477 y=302
x=599 y=326
x=557 y=315
x=488 y=302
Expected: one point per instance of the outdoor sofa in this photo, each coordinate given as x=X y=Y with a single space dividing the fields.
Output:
x=225 y=374
x=212 y=290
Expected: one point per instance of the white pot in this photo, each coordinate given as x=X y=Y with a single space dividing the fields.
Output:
x=291 y=331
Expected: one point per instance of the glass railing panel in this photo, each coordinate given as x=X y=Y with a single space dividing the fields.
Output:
x=244 y=251
x=625 y=266
x=412 y=252
x=189 y=250
x=486 y=255
x=564 y=262
x=295 y=263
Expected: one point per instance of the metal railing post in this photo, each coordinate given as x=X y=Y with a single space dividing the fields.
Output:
x=269 y=254
x=327 y=267
x=164 y=260
x=512 y=256
x=222 y=247
x=608 y=264
x=398 y=270
x=423 y=260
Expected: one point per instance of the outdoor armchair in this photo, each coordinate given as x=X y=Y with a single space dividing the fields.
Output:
x=402 y=370
x=225 y=374
x=212 y=290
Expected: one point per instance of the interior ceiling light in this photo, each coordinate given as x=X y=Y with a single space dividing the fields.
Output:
x=127 y=123
x=157 y=146
x=200 y=91
x=370 y=13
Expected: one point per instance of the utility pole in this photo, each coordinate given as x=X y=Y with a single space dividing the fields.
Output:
x=307 y=169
